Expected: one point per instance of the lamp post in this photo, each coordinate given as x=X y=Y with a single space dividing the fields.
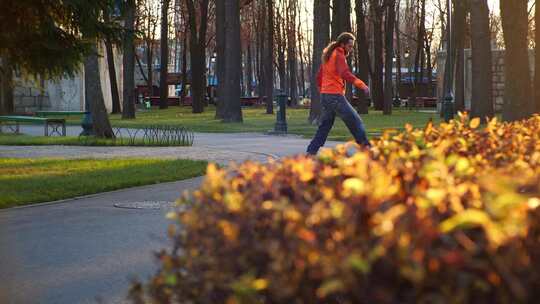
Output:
x=448 y=104
x=212 y=83
x=407 y=55
x=397 y=100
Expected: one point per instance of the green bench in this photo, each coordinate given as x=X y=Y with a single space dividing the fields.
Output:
x=52 y=124
x=59 y=113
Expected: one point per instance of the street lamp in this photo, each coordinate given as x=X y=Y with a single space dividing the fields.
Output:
x=448 y=104
x=212 y=81
x=407 y=55
x=397 y=100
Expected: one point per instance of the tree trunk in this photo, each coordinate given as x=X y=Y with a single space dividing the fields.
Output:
x=363 y=52
x=7 y=105
x=221 y=42
x=517 y=87
x=261 y=41
x=164 y=64
x=233 y=63
x=184 y=69
x=341 y=17
x=460 y=17
x=198 y=56
x=129 y=63
x=389 y=52
x=149 y=67
x=378 y=86
x=537 y=58
x=482 y=96
x=94 y=96
x=281 y=46
x=302 y=79
x=341 y=22
x=292 y=54
x=398 y=49
x=321 y=37
x=112 y=70
x=419 y=56
x=269 y=58
x=249 y=78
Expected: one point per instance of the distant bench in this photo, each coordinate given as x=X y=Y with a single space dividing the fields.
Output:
x=54 y=124
x=59 y=113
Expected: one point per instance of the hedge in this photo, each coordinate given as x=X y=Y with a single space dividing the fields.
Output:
x=444 y=214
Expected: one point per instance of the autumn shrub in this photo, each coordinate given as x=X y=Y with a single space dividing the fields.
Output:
x=444 y=214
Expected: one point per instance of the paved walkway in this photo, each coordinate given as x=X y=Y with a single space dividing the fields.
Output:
x=86 y=249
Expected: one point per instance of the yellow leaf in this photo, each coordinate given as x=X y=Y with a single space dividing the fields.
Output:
x=475 y=122
x=260 y=284
x=329 y=287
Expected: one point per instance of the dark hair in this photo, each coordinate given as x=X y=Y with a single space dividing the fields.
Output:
x=342 y=39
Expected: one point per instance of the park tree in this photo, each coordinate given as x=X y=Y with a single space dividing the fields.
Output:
x=163 y=84
x=198 y=22
x=115 y=96
x=233 y=63
x=268 y=57
x=94 y=96
x=517 y=86
x=341 y=17
x=221 y=41
x=461 y=8
x=128 y=111
x=389 y=55
x=482 y=99
x=377 y=16
x=51 y=39
x=362 y=48
x=292 y=54
x=537 y=55
x=321 y=37
x=147 y=24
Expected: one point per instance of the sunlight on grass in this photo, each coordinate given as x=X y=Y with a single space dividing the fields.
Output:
x=24 y=181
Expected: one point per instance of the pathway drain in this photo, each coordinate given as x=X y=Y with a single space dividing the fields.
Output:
x=146 y=205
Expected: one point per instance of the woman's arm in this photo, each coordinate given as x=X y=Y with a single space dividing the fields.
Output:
x=345 y=73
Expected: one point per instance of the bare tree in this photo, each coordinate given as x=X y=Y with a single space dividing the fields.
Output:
x=377 y=13
x=147 y=22
x=268 y=63
x=363 y=50
x=389 y=52
x=111 y=68
x=460 y=17
x=163 y=84
x=129 y=62
x=198 y=27
x=221 y=42
x=517 y=86
x=482 y=99
x=233 y=64
x=537 y=57
x=292 y=56
x=321 y=37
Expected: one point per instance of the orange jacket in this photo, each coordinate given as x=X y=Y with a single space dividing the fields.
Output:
x=333 y=74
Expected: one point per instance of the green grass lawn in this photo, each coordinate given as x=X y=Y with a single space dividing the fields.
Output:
x=255 y=120
x=27 y=181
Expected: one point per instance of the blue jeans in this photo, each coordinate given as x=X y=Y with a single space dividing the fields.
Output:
x=333 y=104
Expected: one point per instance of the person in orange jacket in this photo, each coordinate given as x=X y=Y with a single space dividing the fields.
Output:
x=331 y=78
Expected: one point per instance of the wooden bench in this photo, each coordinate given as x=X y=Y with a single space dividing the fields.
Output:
x=59 y=113
x=54 y=123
